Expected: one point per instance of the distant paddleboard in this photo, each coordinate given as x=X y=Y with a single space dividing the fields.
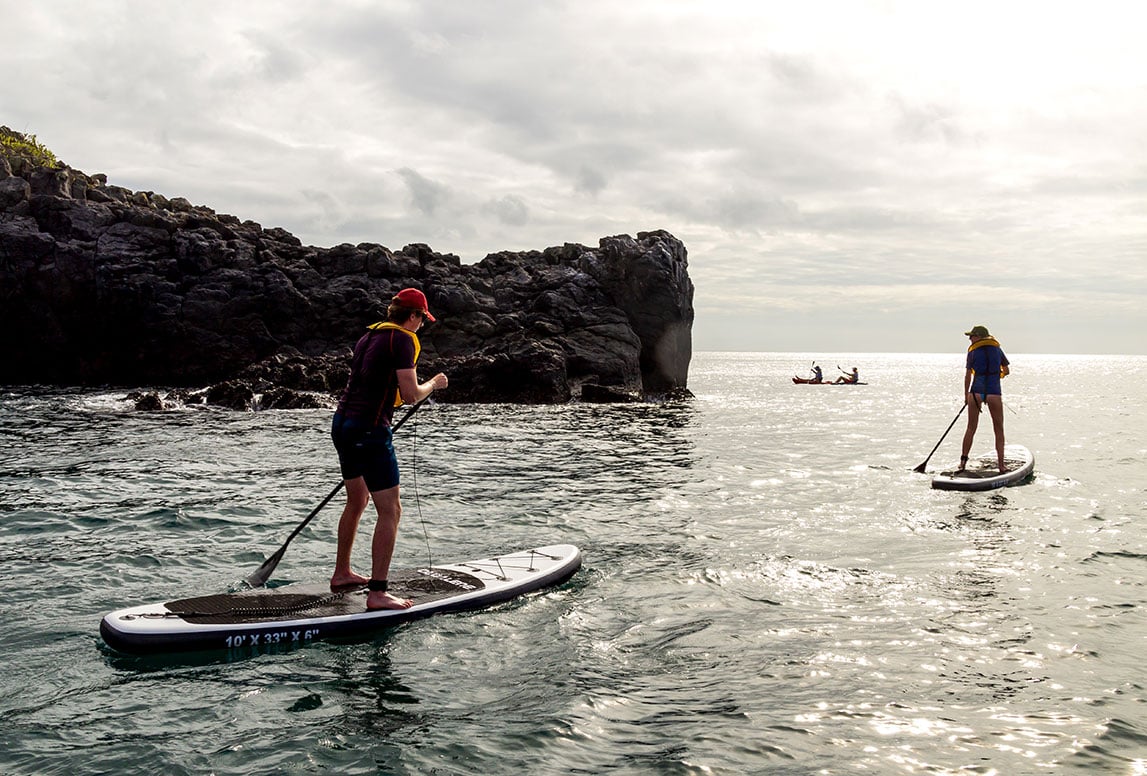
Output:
x=293 y=615
x=982 y=474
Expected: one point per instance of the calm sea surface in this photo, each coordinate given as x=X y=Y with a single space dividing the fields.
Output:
x=767 y=585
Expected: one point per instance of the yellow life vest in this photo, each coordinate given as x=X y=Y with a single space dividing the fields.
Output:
x=986 y=341
x=398 y=402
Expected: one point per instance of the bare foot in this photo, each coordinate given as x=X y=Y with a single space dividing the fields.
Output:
x=1004 y=470
x=378 y=599
x=343 y=581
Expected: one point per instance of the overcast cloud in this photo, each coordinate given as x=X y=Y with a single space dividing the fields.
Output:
x=847 y=176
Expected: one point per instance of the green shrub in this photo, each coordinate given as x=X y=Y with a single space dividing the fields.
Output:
x=15 y=144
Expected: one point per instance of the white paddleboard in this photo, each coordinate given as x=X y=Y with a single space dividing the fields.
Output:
x=983 y=474
x=295 y=614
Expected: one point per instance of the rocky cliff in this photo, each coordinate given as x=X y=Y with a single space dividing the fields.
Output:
x=102 y=285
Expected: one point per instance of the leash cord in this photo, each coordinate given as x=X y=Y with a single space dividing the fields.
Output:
x=417 y=498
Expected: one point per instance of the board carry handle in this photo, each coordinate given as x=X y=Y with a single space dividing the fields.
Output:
x=263 y=573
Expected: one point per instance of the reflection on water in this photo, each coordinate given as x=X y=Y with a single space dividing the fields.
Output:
x=768 y=585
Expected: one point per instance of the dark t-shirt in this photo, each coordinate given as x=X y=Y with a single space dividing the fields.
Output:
x=373 y=383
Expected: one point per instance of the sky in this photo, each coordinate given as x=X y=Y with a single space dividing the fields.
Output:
x=846 y=176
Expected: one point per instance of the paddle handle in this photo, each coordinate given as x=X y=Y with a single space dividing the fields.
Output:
x=413 y=409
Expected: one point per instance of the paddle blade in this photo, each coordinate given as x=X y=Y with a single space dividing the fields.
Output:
x=920 y=468
x=264 y=572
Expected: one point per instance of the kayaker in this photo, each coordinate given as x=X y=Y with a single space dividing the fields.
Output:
x=817 y=376
x=985 y=365
x=848 y=377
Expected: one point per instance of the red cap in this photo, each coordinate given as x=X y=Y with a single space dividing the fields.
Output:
x=412 y=297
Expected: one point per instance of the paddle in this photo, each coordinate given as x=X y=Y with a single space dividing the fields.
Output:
x=920 y=468
x=263 y=573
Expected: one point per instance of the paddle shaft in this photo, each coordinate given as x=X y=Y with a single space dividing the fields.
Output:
x=921 y=467
x=263 y=573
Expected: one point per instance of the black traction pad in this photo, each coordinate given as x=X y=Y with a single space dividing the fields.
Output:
x=984 y=467
x=308 y=601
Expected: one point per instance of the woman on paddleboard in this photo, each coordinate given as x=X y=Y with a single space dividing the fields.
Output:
x=382 y=376
x=986 y=364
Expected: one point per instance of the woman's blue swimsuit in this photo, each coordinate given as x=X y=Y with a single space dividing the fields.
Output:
x=986 y=362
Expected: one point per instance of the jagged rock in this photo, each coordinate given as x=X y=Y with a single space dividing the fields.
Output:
x=147 y=401
x=605 y=394
x=290 y=369
x=99 y=284
x=13 y=191
x=290 y=399
x=187 y=396
x=233 y=394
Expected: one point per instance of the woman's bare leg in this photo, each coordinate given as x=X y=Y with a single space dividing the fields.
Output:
x=996 y=408
x=970 y=433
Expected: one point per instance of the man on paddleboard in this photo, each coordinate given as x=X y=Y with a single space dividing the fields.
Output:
x=382 y=376
x=986 y=364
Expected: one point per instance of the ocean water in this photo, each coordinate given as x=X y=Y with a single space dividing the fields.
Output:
x=767 y=585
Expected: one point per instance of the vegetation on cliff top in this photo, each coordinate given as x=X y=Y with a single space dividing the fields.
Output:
x=15 y=144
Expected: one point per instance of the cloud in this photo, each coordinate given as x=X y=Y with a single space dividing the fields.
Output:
x=589 y=180
x=426 y=195
x=509 y=210
x=929 y=122
x=274 y=61
x=902 y=165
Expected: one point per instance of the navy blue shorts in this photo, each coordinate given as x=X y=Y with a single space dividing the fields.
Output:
x=986 y=385
x=365 y=452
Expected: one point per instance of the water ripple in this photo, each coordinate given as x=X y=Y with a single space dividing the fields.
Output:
x=768 y=586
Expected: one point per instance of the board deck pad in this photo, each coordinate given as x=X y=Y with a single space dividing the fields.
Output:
x=316 y=600
x=982 y=474
x=300 y=613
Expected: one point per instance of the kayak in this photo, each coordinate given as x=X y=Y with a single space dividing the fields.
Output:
x=806 y=381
